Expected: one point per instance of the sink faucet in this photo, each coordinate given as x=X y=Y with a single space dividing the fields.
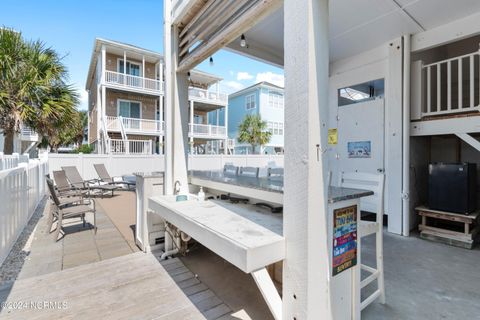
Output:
x=176 y=187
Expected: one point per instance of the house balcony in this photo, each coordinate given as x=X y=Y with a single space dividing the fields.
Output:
x=207 y=97
x=135 y=147
x=28 y=134
x=206 y=131
x=135 y=125
x=133 y=83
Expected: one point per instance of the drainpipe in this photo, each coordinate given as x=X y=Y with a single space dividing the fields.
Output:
x=406 y=136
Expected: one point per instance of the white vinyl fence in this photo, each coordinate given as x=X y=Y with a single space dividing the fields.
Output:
x=21 y=190
x=118 y=165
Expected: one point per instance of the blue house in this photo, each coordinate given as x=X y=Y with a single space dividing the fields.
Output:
x=266 y=100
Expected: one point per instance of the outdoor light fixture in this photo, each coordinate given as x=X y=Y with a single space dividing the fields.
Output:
x=243 y=42
x=211 y=61
x=188 y=74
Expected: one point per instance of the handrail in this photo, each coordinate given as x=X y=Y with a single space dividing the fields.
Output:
x=139 y=125
x=449 y=86
x=132 y=81
x=207 y=95
x=207 y=130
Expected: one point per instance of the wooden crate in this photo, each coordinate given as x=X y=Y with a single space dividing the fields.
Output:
x=463 y=239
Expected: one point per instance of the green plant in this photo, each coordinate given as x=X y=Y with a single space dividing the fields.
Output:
x=84 y=148
x=253 y=130
x=33 y=88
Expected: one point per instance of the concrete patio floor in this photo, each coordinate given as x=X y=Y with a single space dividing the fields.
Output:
x=424 y=280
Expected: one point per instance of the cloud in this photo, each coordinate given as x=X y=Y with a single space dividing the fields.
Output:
x=275 y=78
x=234 y=85
x=244 y=76
x=83 y=100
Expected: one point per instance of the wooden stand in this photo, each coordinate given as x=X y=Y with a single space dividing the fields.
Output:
x=463 y=239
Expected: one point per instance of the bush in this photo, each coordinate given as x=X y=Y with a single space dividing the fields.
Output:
x=84 y=148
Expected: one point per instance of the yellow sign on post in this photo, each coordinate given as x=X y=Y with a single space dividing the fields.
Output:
x=332 y=136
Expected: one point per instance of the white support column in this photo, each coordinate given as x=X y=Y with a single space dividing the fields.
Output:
x=168 y=184
x=162 y=126
x=160 y=72
x=104 y=107
x=176 y=85
x=306 y=273
x=143 y=71
x=104 y=64
x=124 y=67
x=406 y=136
x=190 y=125
x=225 y=116
x=99 y=115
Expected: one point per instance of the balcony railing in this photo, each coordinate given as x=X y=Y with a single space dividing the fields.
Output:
x=134 y=82
x=135 y=125
x=28 y=134
x=118 y=146
x=451 y=86
x=207 y=131
x=207 y=96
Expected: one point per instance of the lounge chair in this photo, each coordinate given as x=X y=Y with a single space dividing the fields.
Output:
x=106 y=178
x=64 y=188
x=65 y=208
x=77 y=181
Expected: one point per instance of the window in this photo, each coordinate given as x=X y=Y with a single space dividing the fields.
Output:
x=250 y=102
x=129 y=109
x=275 y=99
x=361 y=92
x=276 y=128
x=133 y=68
x=270 y=126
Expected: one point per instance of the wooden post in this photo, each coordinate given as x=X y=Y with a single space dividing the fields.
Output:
x=306 y=288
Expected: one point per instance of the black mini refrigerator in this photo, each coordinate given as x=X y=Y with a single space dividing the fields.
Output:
x=452 y=187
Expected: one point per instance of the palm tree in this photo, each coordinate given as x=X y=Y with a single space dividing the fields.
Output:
x=33 y=88
x=253 y=130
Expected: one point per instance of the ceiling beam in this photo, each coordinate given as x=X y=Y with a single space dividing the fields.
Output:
x=229 y=33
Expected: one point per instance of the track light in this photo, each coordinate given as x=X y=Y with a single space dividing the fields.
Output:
x=243 y=42
x=211 y=61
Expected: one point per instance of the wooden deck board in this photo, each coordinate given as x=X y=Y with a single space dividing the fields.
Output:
x=204 y=299
x=132 y=286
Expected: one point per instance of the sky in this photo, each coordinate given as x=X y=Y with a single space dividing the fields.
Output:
x=71 y=26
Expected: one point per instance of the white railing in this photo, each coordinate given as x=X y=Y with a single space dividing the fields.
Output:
x=135 y=82
x=207 y=96
x=207 y=131
x=451 y=86
x=10 y=161
x=118 y=146
x=22 y=189
x=136 y=125
x=28 y=134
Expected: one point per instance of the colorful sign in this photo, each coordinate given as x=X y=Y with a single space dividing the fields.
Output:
x=344 y=239
x=332 y=136
x=359 y=149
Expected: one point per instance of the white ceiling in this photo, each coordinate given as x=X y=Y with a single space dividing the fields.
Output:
x=359 y=25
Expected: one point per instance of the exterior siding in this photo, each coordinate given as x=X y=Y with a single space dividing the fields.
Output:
x=237 y=112
x=111 y=65
x=148 y=103
x=92 y=111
